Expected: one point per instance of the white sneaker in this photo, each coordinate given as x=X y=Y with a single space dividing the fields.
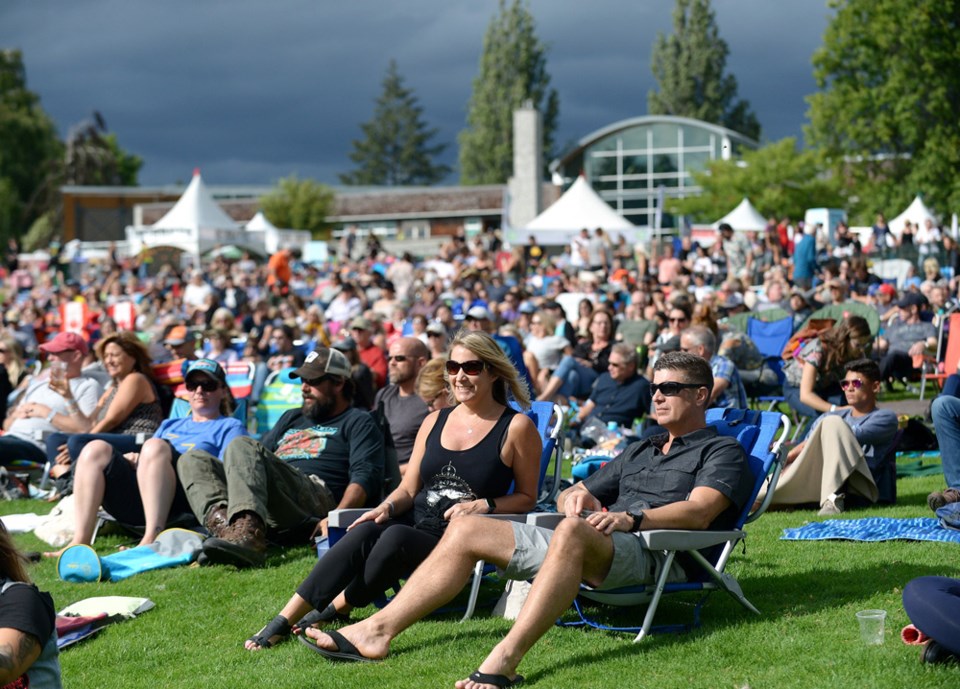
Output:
x=832 y=505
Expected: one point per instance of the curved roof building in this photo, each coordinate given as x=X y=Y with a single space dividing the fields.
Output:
x=631 y=163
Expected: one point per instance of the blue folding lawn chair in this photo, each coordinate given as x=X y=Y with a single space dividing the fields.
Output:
x=761 y=434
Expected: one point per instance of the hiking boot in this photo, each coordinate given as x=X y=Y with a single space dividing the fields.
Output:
x=938 y=499
x=216 y=521
x=242 y=544
x=832 y=505
x=935 y=654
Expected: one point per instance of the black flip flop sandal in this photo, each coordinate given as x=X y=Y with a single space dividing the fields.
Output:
x=278 y=626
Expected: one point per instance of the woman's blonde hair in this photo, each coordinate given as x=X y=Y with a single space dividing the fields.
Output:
x=15 y=365
x=499 y=365
x=547 y=320
x=432 y=381
x=132 y=346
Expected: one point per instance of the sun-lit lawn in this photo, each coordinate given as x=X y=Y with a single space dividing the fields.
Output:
x=806 y=636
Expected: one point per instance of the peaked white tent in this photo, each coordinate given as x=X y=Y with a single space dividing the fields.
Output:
x=916 y=213
x=579 y=207
x=196 y=224
x=259 y=223
x=744 y=218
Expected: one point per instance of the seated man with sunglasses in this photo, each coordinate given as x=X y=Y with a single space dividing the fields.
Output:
x=844 y=454
x=325 y=455
x=686 y=478
x=399 y=402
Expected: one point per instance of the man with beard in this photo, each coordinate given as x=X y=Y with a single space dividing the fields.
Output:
x=399 y=402
x=323 y=456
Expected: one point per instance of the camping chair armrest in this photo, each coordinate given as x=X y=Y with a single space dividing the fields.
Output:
x=680 y=539
x=547 y=520
x=521 y=518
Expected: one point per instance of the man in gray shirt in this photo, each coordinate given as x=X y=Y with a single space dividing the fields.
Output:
x=399 y=401
x=43 y=410
x=906 y=337
x=845 y=451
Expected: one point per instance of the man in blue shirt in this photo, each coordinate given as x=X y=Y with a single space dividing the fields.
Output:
x=805 y=259
x=621 y=394
x=326 y=455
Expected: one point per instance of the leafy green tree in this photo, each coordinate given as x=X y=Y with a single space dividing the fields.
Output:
x=301 y=204
x=396 y=147
x=690 y=65
x=29 y=147
x=886 y=115
x=778 y=179
x=513 y=71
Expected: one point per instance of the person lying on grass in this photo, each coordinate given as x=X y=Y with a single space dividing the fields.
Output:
x=701 y=481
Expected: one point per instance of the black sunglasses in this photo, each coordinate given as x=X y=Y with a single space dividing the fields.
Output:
x=672 y=389
x=317 y=382
x=856 y=384
x=474 y=367
x=205 y=385
x=399 y=358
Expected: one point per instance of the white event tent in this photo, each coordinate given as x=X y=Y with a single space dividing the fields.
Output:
x=743 y=218
x=579 y=207
x=196 y=224
x=916 y=213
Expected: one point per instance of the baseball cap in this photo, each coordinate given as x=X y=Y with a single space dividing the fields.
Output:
x=65 y=342
x=176 y=336
x=322 y=361
x=911 y=299
x=345 y=345
x=360 y=323
x=436 y=328
x=478 y=313
x=888 y=289
x=207 y=367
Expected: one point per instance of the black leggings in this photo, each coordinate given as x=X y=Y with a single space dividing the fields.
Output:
x=367 y=561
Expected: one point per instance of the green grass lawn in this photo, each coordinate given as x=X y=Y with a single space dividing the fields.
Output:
x=806 y=636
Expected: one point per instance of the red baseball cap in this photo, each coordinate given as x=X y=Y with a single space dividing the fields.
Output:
x=65 y=342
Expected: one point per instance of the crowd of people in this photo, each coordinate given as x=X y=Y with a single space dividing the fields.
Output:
x=407 y=367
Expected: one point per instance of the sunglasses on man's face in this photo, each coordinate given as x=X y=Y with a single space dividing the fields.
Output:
x=317 y=382
x=474 y=367
x=672 y=389
x=205 y=385
x=856 y=384
x=399 y=358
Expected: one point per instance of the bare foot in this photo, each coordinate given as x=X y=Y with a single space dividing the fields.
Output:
x=370 y=643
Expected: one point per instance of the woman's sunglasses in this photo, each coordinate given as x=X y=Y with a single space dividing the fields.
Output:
x=856 y=384
x=672 y=389
x=205 y=385
x=473 y=367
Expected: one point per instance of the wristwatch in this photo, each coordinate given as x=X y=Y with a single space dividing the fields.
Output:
x=637 y=520
x=491 y=506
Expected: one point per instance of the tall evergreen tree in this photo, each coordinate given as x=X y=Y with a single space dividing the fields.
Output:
x=513 y=70
x=886 y=116
x=29 y=148
x=396 y=148
x=689 y=66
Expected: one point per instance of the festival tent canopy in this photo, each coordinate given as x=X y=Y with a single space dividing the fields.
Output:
x=259 y=223
x=196 y=209
x=744 y=218
x=916 y=213
x=579 y=207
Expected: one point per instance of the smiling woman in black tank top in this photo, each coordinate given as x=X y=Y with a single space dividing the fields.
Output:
x=464 y=461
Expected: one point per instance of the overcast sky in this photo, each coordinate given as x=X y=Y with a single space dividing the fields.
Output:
x=251 y=91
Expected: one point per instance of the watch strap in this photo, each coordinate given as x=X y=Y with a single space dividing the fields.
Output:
x=491 y=506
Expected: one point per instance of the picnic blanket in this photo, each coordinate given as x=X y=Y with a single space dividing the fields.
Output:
x=173 y=547
x=91 y=615
x=874 y=529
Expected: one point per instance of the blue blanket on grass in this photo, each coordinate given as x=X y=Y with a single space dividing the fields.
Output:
x=874 y=529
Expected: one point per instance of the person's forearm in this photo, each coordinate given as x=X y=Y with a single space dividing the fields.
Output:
x=353 y=496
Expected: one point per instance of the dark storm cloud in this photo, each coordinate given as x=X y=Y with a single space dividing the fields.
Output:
x=252 y=91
